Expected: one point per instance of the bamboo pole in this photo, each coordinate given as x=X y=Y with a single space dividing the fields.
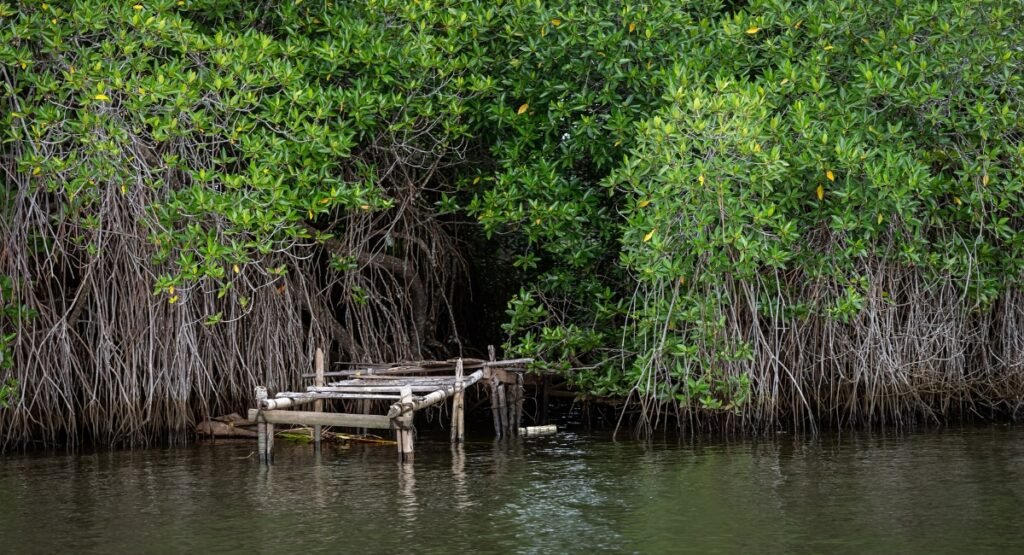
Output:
x=261 y=426
x=318 y=405
x=520 y=397
x=458 y=405
x=493 y=390
x=503 y=410
x=339 y=419
x=404 y=425
x=433 y=398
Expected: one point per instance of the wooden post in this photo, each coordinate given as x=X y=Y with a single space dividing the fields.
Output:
x=318 y=405
x=261 y=427
x=458 y=406
x=495 y=408
x=503 y=409
x=520 y=397
x=403 y=432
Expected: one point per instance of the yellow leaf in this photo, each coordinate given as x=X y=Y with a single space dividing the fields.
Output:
x=310 y=214
x=325 y=200
x=556 y=22
x=235 y=268
x=522 y=109
x=170 y=289
x=831 y=176
x=101 y=96
x=23 y=65
x=536 y=222
x=649 y=235
x=753 y=30
x=757 y=147
x=701 y=179
x=682 y=280
x=984 y=179
x=632 y=27
x=829 y=47
x=172 y=300
x=36 y=170
x=784 y=81
x=53 y=21
x=821 y=192
x=137 y=7
x=643 y=203
x=124 y=189
x=798 y=24
x=880 y=218
x=957 y=201
x=476 y=180
x=365 y=207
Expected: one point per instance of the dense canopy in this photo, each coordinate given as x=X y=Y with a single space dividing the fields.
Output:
x=733 y=214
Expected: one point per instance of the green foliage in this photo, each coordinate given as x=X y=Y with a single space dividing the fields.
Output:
x=670 y=179
x=8 y=392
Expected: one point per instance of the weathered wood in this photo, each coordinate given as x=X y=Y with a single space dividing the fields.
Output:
x=312 y=396
x=511 y=362
x=538 y=430
x=270 y=441
x=302 y=418
x=503 y=410
x=279 y=402
x=261 y=425
x=404 y=429
x=493 y=391
x=397 y=388
x=318 y=405
x=433 y=398
x=261 y=440
x=520 y=397
x=458 y=405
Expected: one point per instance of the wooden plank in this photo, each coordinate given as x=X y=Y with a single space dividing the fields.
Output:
x=301 y=418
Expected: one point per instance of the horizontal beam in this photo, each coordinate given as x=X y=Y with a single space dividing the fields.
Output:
x=397 y=388
x=302 y=418
x=335 y=395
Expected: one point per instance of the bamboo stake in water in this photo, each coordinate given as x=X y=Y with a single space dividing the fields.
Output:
x=458 y=406
x=318 y=405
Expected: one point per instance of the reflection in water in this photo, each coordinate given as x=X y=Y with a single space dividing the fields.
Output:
x=407 y=506
x=934 y=492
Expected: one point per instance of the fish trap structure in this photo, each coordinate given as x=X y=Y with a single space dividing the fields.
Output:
x=411 y=386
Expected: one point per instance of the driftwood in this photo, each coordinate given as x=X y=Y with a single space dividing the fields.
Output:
x=229 y=426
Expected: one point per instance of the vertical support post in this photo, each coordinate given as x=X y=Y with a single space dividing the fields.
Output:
x=458 y=406
x=503 y=409
x=318 y=405
x=520 y=397
x=403 y=424
x=261 y=426
x=493 y=383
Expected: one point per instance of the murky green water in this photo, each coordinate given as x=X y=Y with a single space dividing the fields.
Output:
x=937 y=492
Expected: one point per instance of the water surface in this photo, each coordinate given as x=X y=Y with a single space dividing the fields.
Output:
x=956 y=491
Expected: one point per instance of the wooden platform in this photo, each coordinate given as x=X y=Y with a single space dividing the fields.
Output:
x=411 y=386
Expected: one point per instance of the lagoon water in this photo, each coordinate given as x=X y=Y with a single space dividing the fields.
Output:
x=948 y=491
